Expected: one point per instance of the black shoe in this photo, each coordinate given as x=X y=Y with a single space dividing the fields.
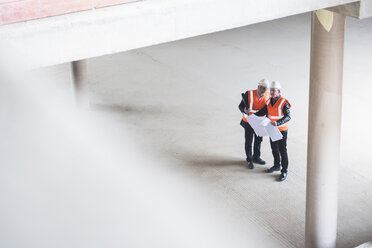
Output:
x=283 y=176
x=272 y=169
x=259 y=161
x=250 y=165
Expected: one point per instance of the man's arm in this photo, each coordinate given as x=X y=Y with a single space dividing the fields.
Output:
x=286 y=113
x=262 y=111
x=242 y=105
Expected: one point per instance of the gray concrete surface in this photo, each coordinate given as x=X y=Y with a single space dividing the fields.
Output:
x=179 y=100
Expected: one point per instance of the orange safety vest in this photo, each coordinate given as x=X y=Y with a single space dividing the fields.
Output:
x=254 y=103
x=275 y=113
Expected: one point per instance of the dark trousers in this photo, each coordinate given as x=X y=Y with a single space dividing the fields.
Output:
x=249 y=133
x=279 y=150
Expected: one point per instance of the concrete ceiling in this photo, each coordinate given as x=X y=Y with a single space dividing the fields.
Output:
x=119 y=28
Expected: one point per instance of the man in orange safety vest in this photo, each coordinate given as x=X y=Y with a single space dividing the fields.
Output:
x=253 y=100
x=277 y=110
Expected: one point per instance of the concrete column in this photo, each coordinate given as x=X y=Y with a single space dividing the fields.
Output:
x=323 y=152
x=80 y=82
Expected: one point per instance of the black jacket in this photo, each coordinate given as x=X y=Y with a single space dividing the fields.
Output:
x=241 y=108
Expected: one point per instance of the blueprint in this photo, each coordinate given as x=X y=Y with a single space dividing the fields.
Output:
x=262 y=127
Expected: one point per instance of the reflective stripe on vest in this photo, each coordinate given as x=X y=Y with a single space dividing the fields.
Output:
x=251 y=99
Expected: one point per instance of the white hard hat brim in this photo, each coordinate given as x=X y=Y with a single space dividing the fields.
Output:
x=264 y=82
x=275 y=85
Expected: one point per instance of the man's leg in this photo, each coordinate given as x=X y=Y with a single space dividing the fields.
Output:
x=276 y=155
x=257 y=150
x=283 y=151
x=284 y=155
x=248 y=145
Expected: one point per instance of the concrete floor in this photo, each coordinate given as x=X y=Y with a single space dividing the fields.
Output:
x=179 y=102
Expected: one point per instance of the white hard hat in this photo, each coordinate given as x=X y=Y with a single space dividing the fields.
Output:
x=264 y=83
x=275 y=85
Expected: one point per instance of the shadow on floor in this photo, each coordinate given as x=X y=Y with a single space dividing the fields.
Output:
x=211 y=160
x=126 y=109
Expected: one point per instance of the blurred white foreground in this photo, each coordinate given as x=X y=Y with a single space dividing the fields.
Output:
x=66 y=181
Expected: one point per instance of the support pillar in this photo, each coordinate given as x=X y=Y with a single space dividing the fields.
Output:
x=323 y=154
x=80 y=82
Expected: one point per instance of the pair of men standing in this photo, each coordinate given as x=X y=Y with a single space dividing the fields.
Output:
x=277 y=109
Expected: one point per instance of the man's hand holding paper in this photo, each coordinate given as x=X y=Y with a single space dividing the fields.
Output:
x=262 y=128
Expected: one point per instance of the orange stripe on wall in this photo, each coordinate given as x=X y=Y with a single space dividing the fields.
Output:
x=23 y=10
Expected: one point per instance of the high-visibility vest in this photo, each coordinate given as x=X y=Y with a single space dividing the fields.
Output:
x=255 y=103
x=275 y=113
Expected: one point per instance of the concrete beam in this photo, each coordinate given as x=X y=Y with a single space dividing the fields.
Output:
x=80 y=82
x=361 y=9
x=119 y=28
